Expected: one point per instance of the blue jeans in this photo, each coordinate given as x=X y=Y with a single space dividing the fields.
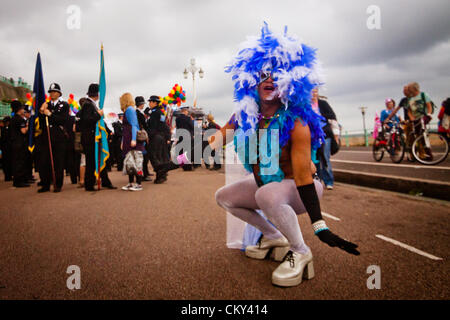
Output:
x=326 y=173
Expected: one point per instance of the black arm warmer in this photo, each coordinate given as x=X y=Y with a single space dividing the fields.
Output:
x=310 y=200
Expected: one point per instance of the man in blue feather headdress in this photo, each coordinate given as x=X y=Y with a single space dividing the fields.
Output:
x=273 y=76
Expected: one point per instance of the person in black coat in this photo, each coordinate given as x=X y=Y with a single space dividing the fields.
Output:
x=325 y=170
x=185 y=122
x=89 y=115
x=71 y=156
x=5 y=146
x=210 y=129
x=140 y=103
x=57 y=112
x=19 y=147
x=159 y=137
x=116 y=150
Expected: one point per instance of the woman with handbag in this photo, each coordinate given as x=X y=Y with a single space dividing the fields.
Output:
x=132 y=143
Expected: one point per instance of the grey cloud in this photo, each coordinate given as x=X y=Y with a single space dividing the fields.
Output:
x=148 y=44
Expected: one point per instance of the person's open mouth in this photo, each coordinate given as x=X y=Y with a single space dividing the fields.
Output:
x=269 y=88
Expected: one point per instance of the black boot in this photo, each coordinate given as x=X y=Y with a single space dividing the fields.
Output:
x=44 y=189
x=160 y=177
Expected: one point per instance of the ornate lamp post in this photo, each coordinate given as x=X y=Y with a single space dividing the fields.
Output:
x=193 y=69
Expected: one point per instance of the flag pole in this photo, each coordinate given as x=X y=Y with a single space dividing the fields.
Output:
x=99 y=155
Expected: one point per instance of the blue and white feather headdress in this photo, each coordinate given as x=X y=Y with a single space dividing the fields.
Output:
x=295 y=71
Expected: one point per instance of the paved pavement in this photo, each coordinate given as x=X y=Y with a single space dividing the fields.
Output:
x=360 y=159
x=168 y=242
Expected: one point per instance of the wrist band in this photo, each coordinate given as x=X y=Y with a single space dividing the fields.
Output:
x=319 y=226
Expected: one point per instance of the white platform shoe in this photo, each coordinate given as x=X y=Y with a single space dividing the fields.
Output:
x=278 y=249
x=294 y=267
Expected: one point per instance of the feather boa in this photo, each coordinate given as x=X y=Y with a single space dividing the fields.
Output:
x=295 y=71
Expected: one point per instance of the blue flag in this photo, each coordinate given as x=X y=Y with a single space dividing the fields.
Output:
x=38 y=100
x=101 y=136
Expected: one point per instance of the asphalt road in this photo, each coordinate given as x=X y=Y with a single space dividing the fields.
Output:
x=360 y=159
x=168 y=242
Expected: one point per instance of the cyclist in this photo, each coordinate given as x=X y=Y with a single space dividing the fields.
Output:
x=387 y=120
x=419 y=106
x=388 y=123
x=444 y=119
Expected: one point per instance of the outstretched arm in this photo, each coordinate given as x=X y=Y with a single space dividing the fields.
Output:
x=301 y=164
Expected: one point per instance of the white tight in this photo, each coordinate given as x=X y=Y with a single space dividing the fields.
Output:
x=279 y=201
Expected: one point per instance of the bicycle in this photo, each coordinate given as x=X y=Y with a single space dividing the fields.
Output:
x=392 y=142
x=429 y=148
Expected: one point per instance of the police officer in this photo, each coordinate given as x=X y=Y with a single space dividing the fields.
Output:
x=159 y=136
x=19 y=130
x=89 y=115
x=57 y=113
x=184 y=121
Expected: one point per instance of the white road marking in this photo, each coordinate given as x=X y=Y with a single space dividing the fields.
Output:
x=330 y=216
x=392 y=164
x=354 y=151
x=405 y=246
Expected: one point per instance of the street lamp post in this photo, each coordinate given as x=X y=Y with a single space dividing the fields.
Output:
x=363 y=112
x=193 y=69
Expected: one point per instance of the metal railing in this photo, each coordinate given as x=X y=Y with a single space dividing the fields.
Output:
x=348 y=134
x=18 y=83
x=5 y=109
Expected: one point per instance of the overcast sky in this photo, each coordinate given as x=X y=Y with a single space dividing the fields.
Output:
x=147 y=45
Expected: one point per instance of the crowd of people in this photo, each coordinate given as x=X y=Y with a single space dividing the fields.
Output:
x=417 y=107
x=64 y=142
x=271 y=99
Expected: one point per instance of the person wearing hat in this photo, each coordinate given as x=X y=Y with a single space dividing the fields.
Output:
x=18 y=134
x=185 y=122
x=57 y=112
x=140 y=103
x=159 y=136
x=88 y=116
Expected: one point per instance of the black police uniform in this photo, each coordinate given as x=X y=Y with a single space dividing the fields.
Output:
x=58 y=137
x=89 y=116
x=159 y=134
x=19 y=150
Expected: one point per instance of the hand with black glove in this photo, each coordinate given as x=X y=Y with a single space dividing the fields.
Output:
x=335 y=241
x=311 y=202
